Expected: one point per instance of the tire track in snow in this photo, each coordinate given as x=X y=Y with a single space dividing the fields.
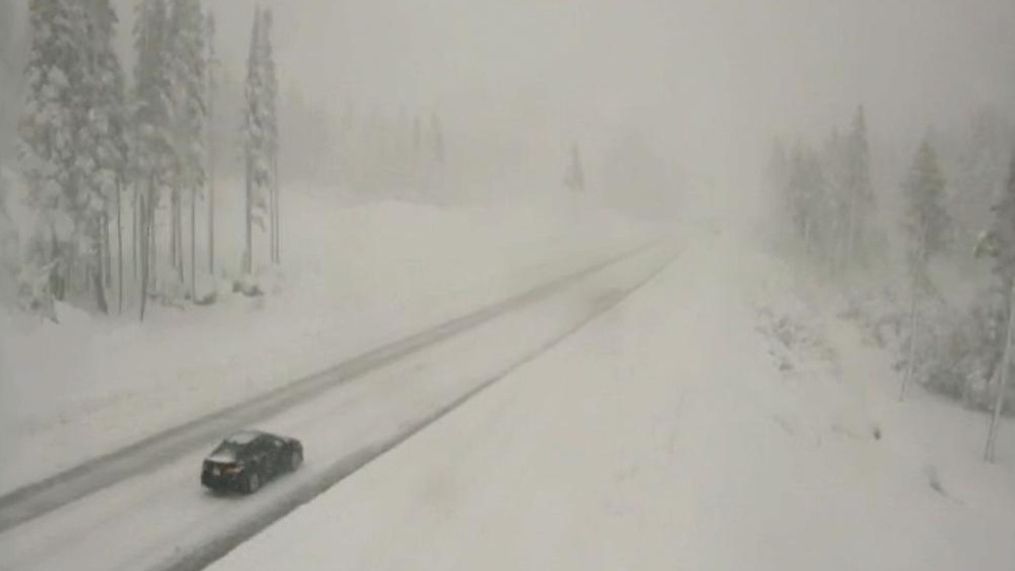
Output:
x=217 y=547
x=148 y=454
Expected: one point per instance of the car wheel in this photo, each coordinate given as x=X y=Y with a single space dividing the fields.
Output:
x=295 y=459
x=253 y=482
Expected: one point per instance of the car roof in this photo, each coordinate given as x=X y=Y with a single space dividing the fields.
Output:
x=244 y=437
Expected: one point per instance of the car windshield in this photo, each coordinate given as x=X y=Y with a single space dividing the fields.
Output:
x=228 y=450
x=232 y=446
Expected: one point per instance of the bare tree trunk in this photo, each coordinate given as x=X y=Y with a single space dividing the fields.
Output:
x=995 y=420
x=173 y=210
x=97 y=274
x=193 y=245
x=913 y=318
x=850 y=229
x=142 y=239
x=135 y=236
x=151 y=220
x=119 y=250
x=911 y=361
x=248 y=256
x=178 y=231
x=807 y=237
x=278 y=213
x=57 y=280
x=211 y=205
x=107 y=251
x=271 y=225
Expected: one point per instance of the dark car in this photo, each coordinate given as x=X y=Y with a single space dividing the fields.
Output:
x=248 y=459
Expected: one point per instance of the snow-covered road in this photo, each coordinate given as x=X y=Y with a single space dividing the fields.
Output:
x=666 y=435
x=161 y=518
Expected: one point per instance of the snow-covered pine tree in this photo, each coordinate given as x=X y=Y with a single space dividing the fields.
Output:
x=187 y=69
x=980 y=172
x=103 y=143
x=805 y=195
x=838 y=200
x=1002 y=236
x=212 y=93
x=927 y=225
x=255 y=147
x=49 y=145
x=860 y=202
x=1003 y=231
x=270 y=104
x=152 y=157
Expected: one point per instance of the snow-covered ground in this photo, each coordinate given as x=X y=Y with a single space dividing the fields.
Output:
x=353 y=277
x=161 y=517
x=717 y=419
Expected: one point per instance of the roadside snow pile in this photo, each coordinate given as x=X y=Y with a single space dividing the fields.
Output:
x=663 y=436
x=352 y=278
x=795 y=346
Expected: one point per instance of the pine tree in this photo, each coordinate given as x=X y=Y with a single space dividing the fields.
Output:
x=805 y=195
x=49 y=143
x=1002 y=248
x=259 y=131
x=980 y=172
x=103 y=142
x=187 y=70
x=1002 y=232
x=270 y=104
x=860 y=201
x=212 y=92
x=927 y=219
x=927 y=223
x=152 y=144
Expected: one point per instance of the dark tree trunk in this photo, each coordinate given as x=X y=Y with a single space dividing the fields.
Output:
x=119 y=250
x=107 y=252
x=193 y=245
x=173 y=212
x=135 y=235
x=211 y=213
x=97 y=281
x=248 y=256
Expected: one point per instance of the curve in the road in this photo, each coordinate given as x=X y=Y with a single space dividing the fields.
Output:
x=216 y=547
x=36 y=499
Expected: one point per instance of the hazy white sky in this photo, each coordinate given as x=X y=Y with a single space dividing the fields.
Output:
x=706 y=78
x=706 y=81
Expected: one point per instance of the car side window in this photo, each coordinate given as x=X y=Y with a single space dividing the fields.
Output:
x=261 y=445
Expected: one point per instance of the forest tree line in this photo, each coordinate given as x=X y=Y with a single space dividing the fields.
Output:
x=946 y=226
x=119 y=172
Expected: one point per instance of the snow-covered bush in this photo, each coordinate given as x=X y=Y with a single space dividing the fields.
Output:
x=958 y=350
x=879 y=313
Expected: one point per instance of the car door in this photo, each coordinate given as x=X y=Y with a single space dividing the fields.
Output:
x=260 y=453
x=275 y=447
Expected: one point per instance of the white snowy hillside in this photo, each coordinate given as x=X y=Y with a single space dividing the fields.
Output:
x=683 y=429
